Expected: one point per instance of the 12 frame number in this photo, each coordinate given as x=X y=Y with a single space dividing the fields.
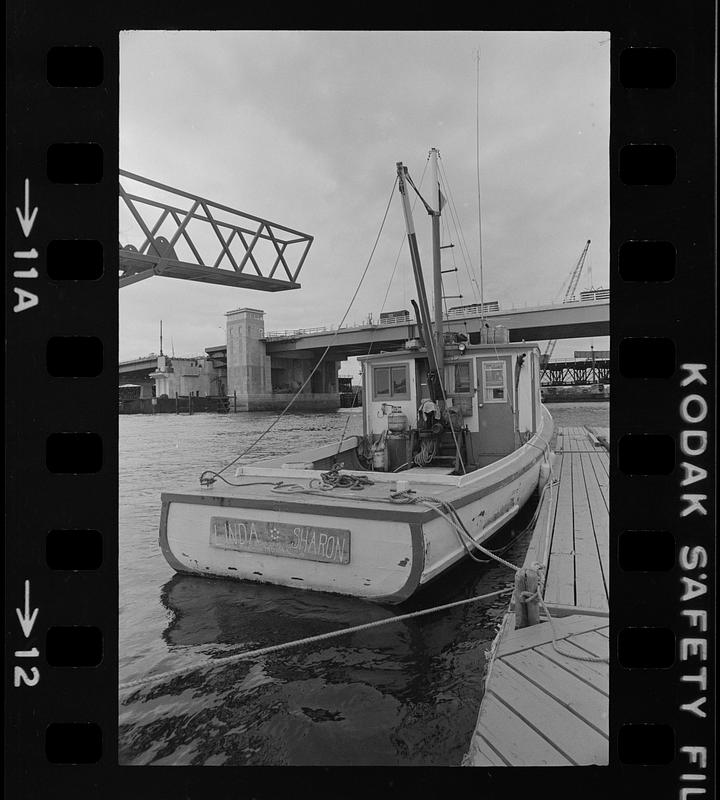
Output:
x=30 y=675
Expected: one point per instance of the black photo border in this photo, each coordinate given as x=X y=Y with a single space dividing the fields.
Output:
x=39 y=404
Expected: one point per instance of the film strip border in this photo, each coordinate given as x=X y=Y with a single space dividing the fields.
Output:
x=62 y=340
x=61 y=445
x=662 y=502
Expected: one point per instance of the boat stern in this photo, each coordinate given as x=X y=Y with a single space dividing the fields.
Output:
x=292 y=544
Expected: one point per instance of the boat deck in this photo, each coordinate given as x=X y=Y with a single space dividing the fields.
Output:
x=541 y=705
x=289 y=486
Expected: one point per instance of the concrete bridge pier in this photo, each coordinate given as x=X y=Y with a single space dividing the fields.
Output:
x=263 y=382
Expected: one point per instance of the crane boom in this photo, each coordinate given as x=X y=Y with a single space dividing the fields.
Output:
x=570 y=292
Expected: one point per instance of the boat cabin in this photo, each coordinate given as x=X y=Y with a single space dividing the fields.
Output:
x=489 y=408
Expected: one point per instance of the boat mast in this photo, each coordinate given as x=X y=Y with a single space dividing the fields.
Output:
x=435 y=207
x=403 y=180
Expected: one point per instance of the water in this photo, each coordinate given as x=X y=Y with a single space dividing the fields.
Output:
x=403 y=694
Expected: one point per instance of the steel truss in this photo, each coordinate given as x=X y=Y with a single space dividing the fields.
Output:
x=196 y=230
x=575 y=373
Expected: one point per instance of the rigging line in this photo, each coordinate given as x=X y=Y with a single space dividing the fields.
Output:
x=465 y=257
x=326 y=351
x=462 y=321
x=454 y=216
x=477 y=163
x=455 y=267
x=465 y=251
x=355 y=394
x=444 y=225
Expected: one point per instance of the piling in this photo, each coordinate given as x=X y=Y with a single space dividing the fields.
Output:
x=525 y=598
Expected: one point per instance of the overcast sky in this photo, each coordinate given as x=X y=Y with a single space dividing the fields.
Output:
x=304 y=128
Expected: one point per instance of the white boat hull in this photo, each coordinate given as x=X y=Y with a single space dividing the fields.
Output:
x=347 y=542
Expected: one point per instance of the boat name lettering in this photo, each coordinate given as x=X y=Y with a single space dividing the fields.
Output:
x=308 y=542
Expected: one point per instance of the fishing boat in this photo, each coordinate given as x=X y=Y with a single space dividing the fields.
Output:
x=455 y=441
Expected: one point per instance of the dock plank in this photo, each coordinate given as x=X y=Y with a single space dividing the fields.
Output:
x=536 y=635
x=590 y=588
x=582 y=440
x=602 y=478
x=582 y=519
x=567 y=688
x=596 y=673
x=517 y=742
x=560 y=580
x=562 y=541
x=567 y=732
x=592 y=642
x=603 y=459
x=481 y=754
x=589 y=585
x=600 y=520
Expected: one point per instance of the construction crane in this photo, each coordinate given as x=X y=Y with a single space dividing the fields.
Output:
x=571 y=281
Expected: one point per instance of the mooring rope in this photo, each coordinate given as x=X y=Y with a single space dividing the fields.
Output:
x=261 y=651
x=452 y=517
x=576 y=656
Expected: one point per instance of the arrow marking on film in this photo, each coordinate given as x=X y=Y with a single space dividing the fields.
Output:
x=27 y=220
x=27 y=620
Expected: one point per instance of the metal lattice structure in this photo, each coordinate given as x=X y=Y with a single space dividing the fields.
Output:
x=181 y=235
x=575 y=373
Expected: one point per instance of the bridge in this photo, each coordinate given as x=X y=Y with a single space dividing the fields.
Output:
x=566 y=321
x=580 y=372
x=264 y=370
x=182 y=235
x=137 y=372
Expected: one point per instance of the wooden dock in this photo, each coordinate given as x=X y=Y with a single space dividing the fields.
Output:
x=547 y=703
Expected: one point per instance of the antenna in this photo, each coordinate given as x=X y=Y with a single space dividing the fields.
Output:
x=477 y=165
x=161 y=352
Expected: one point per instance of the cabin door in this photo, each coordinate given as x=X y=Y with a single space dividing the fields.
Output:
x=496 y=403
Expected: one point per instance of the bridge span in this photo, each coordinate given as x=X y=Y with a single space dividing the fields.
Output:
x=264 y=370
x=567 y=321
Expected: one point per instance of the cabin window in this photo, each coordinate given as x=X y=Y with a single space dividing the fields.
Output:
x=390 y=383
x=462 y=378
x=494 y=382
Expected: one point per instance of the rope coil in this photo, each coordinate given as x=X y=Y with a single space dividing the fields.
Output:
x=334 y=480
